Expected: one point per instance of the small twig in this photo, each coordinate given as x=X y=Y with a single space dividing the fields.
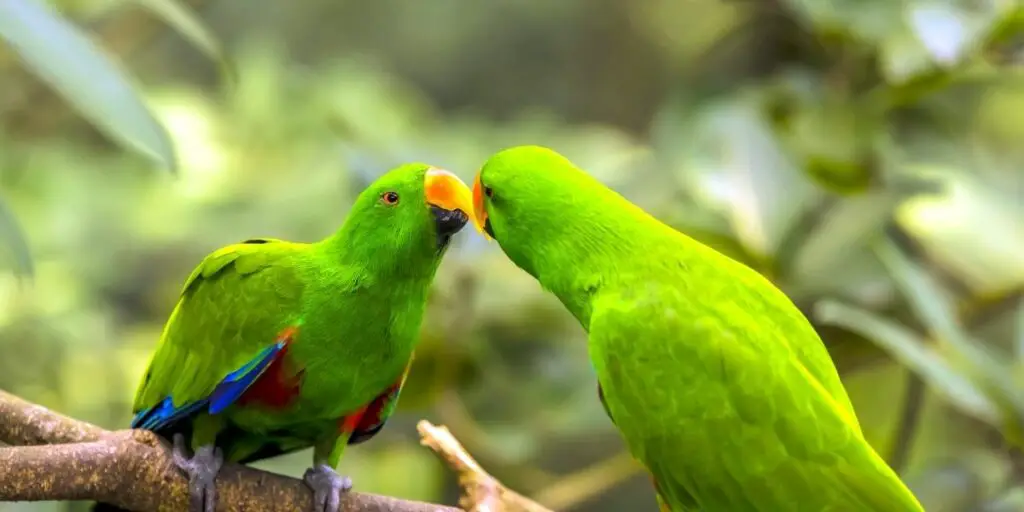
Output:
x=481 y=491
x=473 y=438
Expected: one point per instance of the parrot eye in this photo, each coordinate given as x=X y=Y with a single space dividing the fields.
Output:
x=389 y=198
x=488 y=191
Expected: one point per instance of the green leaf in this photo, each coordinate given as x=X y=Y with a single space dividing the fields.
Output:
x=193 y=29
x=15 y=242
x=66 y=59
x=930 y=301
x=933 y=306
x=763 y=190
x=970 y=213
x=840 y=235
x=910 y=350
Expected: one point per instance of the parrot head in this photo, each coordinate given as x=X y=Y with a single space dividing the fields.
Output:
x=410 y=211
x=532 y=201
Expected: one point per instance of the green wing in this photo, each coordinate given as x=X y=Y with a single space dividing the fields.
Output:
x=757 y=301
x=231 y=307
x=725 y=413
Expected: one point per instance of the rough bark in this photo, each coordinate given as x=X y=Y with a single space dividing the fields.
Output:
x=55 y=457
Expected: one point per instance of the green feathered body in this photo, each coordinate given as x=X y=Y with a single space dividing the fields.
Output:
x=276 y=346
x=353 y=339
x=717 y=382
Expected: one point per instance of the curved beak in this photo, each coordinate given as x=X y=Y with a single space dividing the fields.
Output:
x=479 y=209
x=450 y=201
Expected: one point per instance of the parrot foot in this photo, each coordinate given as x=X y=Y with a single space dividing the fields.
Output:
x=202 y=469
x=328 y=487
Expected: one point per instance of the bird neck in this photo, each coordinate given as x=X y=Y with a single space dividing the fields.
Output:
x=587 y=252
x=379 y=257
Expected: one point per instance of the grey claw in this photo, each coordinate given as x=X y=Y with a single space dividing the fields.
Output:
x=327 y=486
x=202 y=469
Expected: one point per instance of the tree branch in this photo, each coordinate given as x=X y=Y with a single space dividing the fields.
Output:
x=133 y=469
x=24 y=423
x=481 y=491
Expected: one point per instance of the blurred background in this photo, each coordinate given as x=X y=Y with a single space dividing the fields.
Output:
x=863 y=154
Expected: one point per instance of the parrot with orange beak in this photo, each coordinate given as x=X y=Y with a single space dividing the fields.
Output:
x=717 y=382
x=278 y=346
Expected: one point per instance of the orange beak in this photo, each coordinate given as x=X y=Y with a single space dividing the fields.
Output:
x=446 y=191
x=479 y=209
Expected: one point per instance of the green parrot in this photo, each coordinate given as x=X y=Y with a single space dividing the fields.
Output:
x=716 y=381
x=277 y=346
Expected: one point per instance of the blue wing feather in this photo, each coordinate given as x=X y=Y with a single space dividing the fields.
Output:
x=232 y=387
x=227 y=391
x=164 y=414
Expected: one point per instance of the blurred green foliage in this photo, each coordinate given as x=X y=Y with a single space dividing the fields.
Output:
x=862 y=154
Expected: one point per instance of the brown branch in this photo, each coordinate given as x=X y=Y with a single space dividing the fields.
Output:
x=25 y=423
x=481 y=491
x=60 y=458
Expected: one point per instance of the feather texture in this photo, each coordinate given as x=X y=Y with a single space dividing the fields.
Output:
x=717 y=382
x=276 y=346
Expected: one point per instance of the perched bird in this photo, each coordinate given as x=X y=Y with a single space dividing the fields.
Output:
x=277 y=346
x=716 y=381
